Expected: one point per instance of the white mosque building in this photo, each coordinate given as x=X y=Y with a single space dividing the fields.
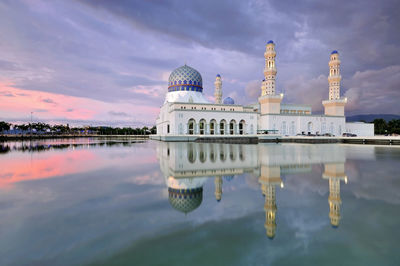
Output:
x=187 y=112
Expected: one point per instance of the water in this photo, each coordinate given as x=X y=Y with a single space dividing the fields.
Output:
x=96 y=202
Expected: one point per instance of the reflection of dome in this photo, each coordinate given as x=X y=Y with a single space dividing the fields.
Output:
x=228 y=177
x=334 y=52
x=185 y=200
x=185 y=78
x=228 y=100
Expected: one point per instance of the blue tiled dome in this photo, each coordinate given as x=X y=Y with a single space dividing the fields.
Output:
x=185 y=200
x=228 y=100
x=270 y=41
x=185 y=78
x=218 y=75
x=334 y=52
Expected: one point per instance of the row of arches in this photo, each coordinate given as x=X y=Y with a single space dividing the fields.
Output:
x=214 y=155
x=223 y=127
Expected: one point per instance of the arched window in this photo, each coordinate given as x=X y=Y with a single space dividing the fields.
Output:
x=292 y=125
x=213 y=124
x=241 y=127
x=284 y=128
x=222 y=127
x=309 y=127
x=232 y=127
x=191 y=126
x=202 y=126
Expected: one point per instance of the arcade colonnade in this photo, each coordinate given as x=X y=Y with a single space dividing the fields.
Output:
x=215 y=127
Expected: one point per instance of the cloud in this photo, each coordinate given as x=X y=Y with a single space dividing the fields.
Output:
x=307 y=91
x=48 y=101
x=6 y=94
x=77 y=110
x=118 y=114
x=374 y=91
x=124 y=51
x=253 y=89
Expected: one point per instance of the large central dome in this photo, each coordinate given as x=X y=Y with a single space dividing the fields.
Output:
x=185 y=78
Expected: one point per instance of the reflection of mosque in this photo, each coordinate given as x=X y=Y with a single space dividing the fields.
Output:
x=187 y=166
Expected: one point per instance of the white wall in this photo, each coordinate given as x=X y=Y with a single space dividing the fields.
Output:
x=296 y=124
x=360 y=129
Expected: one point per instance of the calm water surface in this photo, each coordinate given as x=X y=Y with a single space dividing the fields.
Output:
x=96 y=202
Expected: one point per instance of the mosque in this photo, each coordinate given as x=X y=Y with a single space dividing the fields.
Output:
x=187 y=166
x=186 y=111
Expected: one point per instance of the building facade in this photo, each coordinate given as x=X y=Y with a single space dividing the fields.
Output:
x=186 y=111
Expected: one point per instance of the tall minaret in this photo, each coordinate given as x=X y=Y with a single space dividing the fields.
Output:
x=218 y=188
x=334 y=76
x=270 y=103
x=334 y=173
x=268 y=84
x=335 y=105
x=218 y=89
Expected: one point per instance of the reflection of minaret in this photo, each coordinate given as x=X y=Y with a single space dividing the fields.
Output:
x=218 y=188
x=335 y=173
x=269 y=179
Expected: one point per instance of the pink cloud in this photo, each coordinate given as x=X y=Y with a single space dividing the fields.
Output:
x=17 y=103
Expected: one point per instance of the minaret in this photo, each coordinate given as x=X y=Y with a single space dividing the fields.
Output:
x=218 y=89
x=269 y=179
x=334 y=76
x=218 y=188
x=335 y=174
x=270 y=103
x=268 y=84
x=335 y=105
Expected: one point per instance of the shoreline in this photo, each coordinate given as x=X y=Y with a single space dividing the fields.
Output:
x=67 y=136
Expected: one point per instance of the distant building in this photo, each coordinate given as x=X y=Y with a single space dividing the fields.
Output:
x=187 y=112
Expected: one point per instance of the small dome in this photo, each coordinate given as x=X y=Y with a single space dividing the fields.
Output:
x=228 y=100
x=185 y=200
x=185 y=78
x=218 y=75
x=270 y=41
x=334 y=52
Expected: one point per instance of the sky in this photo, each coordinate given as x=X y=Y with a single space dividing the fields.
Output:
x=107 y=62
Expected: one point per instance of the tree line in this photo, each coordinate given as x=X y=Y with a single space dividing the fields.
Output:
x=43 y=128
x=386 y=128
